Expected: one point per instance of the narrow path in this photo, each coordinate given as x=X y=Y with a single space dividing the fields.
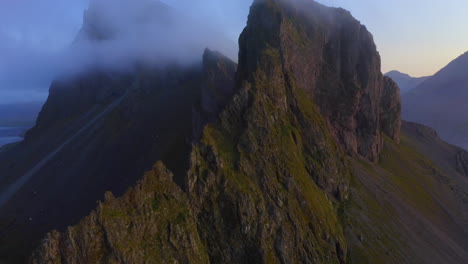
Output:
x=6 y=195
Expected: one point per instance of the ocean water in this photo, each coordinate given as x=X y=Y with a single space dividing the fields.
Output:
x=11 y=135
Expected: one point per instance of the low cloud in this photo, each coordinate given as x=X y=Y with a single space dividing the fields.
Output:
x=39 y=45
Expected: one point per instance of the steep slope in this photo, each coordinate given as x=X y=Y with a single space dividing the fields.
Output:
x=410 y=208
x=405 y=81
x=410 y=213
x=439 y=102
x=98 y=132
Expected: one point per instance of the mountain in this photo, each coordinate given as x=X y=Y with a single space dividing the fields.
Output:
x=405 y=81
x=99 y=131
x=439 y=102
x=296 y=155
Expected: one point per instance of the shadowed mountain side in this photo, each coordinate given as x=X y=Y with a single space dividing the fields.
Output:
x=153 y=121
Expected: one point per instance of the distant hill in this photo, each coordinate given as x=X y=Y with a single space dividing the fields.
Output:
x=405 y=81
x=19 y=114
x=440 y=102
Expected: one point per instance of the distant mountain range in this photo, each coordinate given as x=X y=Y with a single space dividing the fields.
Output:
x=441 y=102
x=405 y=81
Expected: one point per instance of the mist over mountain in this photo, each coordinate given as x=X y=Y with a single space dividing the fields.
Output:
x=39 y=42
x=440 y=102
x=405 y=81
x=120 y=35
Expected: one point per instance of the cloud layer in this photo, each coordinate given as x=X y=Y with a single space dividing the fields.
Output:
x=40 y=41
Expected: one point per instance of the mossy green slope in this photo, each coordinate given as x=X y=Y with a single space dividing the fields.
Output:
x=405 y=209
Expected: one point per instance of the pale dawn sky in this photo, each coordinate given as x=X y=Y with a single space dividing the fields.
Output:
x=417 y=37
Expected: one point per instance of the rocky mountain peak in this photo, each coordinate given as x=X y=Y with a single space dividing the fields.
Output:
x=329 y=55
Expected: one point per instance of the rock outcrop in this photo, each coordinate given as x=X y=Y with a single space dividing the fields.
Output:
x=328 y=54
x=217 y=89
x=390 y=110
x=150 y=222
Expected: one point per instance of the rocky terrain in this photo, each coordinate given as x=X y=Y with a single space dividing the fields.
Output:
x=405 y=81
x=439 y=102
x=296 y=155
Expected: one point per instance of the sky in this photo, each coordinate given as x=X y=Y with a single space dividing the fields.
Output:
x=417 y=37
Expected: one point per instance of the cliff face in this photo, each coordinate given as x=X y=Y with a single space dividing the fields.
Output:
x=390 y=110
x=288 y=172
x=217 y=89
x=329 y=55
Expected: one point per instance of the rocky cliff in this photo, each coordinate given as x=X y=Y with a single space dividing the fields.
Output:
x=288 y=173
x=390 y=110
x=331 y=57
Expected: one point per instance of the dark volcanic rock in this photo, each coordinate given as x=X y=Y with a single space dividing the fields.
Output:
x=218 y=82
x=390 y=110
x=328 y=54
x=216 y=91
